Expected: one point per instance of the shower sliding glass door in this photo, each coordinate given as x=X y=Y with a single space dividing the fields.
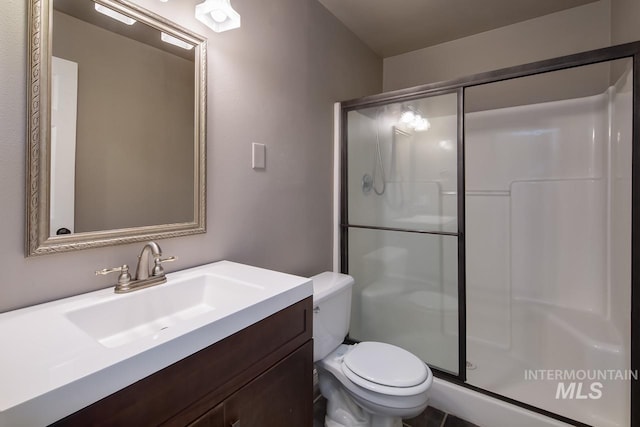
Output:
x=489 y=224
x=402 y=225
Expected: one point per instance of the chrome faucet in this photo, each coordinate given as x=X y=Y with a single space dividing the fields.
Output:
x=146 y=275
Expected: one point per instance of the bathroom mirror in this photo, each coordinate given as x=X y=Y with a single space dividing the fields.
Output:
x=116 y=126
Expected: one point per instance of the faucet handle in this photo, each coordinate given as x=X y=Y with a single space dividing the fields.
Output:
x=157 y=268
x=124 y=277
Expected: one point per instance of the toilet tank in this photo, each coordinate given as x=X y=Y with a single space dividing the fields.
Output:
x=331 y=311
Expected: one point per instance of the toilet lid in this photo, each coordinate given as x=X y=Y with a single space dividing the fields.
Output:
x=386 y=364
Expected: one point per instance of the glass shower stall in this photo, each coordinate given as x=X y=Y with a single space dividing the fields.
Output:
x=488 y=224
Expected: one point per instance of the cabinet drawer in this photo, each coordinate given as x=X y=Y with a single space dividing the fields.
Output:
x=280 y=397
x=182 y=392
x=213 y=418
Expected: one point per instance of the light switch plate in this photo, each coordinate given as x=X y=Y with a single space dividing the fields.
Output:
x=258 y=155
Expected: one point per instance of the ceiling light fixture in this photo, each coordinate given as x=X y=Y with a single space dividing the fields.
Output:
x=167 y=38
x=218 y=15
x=114 y=15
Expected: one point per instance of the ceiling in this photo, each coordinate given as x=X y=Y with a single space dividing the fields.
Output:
x=392 y=27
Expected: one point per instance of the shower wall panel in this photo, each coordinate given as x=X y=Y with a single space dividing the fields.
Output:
x=558 y=250
x=488 y=288
x=522 y=164
x=553 y=140
x=548 y=246
x=620 y=214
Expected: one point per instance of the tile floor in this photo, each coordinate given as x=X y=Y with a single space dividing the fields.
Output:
x=431 y=417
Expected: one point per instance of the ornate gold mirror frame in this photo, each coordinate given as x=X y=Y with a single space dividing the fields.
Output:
x=38 y=153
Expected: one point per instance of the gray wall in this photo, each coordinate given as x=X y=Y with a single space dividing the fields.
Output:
x=135 y=128
x=592 y=26
x=625 y=21
x=562 y=33
x=272 y=81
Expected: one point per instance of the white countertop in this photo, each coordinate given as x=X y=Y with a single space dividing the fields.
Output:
x=51 y=368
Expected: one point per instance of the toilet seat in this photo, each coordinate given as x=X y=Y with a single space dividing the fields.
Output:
x=386 y=369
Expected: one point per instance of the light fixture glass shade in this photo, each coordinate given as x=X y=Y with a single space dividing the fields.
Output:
x=412 y=118
x=167 y=38
x=218 y=15
x=421 y=125
x=407 y=117
x=114 y=15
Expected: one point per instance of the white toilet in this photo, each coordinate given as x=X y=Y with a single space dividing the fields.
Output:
x=369 y=384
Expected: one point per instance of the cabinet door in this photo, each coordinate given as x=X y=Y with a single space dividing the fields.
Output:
x=280 y=397
x=213 y=418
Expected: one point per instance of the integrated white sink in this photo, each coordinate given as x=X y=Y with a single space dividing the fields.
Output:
x=141 y=314
x=64 y=355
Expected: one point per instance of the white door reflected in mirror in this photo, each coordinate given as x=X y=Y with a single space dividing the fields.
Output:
x=64 y=112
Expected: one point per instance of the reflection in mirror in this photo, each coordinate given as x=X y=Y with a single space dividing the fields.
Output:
x=144 y=87
x=122 y=158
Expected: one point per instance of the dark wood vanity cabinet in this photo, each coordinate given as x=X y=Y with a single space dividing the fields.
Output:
x=261 y=376
x=272 y=399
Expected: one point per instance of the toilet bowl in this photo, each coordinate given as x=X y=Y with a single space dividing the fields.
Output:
x=369 y=384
